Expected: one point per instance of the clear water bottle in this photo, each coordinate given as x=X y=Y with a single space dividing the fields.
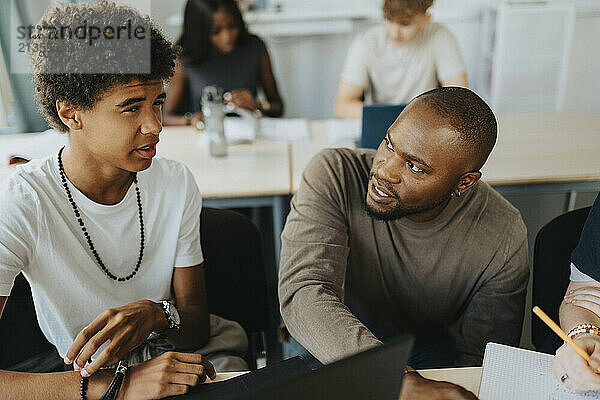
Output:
x=213 y=115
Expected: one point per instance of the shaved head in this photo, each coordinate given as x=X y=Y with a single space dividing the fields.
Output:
x=468 y=115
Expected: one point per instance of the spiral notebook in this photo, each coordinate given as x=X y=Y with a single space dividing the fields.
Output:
x=519 y=374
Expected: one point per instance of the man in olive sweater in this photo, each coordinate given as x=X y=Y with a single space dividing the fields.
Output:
x=407 y=239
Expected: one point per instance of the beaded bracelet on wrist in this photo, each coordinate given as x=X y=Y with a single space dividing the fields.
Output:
x=583 y=329
x=83 y=387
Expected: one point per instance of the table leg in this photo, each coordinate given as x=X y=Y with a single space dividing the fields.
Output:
x=281 y=208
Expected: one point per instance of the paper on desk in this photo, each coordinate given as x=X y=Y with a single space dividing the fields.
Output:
x=225 y=376
x=518 y=374
x=283 y=129
x=342 y=130
x=239 y=130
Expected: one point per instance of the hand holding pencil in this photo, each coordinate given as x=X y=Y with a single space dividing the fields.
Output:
x=571 y=364
x=557 y=329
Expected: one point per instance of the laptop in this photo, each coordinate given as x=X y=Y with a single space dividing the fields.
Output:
x=252 y=382
x=373 y=374
x=376 y=119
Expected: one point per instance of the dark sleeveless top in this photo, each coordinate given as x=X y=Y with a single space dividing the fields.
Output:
x=239 y=69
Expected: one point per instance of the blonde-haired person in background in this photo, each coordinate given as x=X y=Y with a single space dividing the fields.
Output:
x=405 y=57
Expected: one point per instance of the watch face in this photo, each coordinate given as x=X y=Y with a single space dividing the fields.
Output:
x=174 y=314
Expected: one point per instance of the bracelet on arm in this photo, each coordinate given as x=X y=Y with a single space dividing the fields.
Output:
x=113 y=390
x=583 y=328
x=83 y=387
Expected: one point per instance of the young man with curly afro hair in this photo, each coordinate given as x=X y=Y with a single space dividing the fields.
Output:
x=106 y=233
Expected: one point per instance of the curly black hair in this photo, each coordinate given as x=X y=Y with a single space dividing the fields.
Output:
x=80 y=51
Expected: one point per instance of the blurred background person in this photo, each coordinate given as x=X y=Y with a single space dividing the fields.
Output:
x=395 y=62
x=217 y=49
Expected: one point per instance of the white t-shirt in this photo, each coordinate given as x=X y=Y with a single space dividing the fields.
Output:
x=395 y=74
x=40 y=235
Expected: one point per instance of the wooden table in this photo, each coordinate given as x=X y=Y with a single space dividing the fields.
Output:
x=469 y=377
x=248 y=170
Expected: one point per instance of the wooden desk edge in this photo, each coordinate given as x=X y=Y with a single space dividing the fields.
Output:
x=467 y=377
x=526 y=181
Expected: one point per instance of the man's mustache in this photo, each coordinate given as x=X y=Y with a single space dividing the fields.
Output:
x=380 y=182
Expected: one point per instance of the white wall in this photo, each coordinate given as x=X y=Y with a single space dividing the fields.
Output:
x=583 y=83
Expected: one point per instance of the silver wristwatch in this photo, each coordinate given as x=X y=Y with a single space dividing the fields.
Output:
x=171 y=314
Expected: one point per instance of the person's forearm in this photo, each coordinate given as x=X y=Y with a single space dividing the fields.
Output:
x=571 y=316
x=57 y=385
x=194 y=330
x=349 y=109
x=324 y=325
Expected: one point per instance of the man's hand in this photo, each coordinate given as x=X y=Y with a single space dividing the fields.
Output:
x=576 y=372
x=169 y=374
x=197 y=121
x=125 y=327
x=415 y=387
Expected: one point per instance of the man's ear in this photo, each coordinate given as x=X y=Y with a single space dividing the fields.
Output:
x=69 y=115
x=467 y=180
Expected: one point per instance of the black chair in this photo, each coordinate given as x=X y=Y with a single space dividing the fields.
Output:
x=551 y=269
x=376 y=119
x=24 y=346
x=236 y=281
x=236 y=288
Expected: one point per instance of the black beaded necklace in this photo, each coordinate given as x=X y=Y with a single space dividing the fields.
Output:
x=87 y=235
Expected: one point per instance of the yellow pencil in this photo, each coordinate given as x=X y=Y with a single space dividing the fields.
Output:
x=548 y=321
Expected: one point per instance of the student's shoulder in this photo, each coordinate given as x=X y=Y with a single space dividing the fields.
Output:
x=22 y=185
x=499 y=211
x=372 y=39
x=255 y=42
x=435 y=33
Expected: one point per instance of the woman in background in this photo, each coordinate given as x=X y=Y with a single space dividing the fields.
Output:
x=219 y=50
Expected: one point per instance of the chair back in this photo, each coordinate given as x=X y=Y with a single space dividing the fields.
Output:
x=551 y=270
x=376 y=119
x=236 y=281
x=20 y=335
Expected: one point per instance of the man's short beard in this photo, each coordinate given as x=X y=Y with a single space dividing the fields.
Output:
x=399 y=211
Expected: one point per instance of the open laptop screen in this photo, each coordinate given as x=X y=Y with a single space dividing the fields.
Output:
x=373 y=374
